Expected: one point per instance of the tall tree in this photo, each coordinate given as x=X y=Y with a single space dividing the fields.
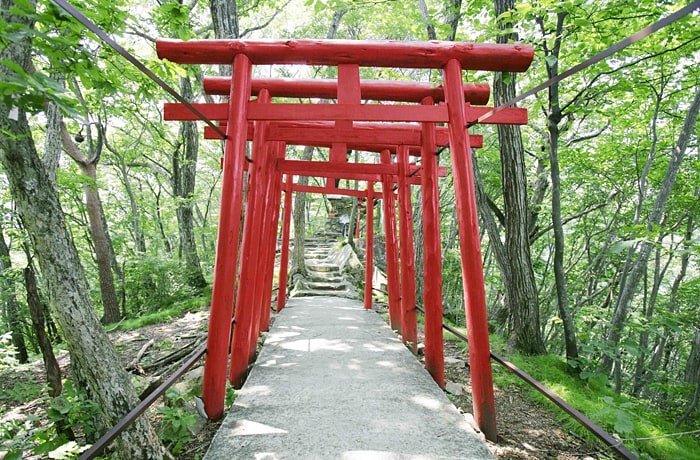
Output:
x=554 y=116
x=184 y=174
x=299 y=220
x=39 y=208
x=629 y=287
x=520 y=287
x=98 y=229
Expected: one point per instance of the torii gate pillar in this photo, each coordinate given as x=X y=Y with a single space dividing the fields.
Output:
x=470 y=249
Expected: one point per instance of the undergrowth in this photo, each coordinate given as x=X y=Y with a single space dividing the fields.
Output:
x=642 y=429
x=166 y=314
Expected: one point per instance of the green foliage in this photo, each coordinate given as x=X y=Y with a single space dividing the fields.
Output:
x=166 y=314
x=230 y=395
x=176 y=422
x=623 y=416
x=74 y=409
x=26 y=390
x=154 y=283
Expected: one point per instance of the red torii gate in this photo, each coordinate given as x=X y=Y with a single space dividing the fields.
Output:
x=314 y=125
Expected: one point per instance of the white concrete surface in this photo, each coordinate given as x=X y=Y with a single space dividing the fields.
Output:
x=334 y=382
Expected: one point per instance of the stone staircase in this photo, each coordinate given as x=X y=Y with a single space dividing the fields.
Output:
x=331 y=270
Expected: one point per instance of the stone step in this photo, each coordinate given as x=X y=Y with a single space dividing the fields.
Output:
x=324 y=277
x=348 y=294
x=325 y=286
x=322 y=267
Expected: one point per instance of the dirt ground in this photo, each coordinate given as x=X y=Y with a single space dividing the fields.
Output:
x=526 y=431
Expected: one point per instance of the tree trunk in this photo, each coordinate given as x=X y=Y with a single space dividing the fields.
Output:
x=521 y=290
x=53 y=143
x=628 y=289
x=454 y=13
x=659 y=273
x=692 y=377
x=53 y=371
x=139 y=239
x=98 y=231
x=11 y=311
x=553 y=118
x=429 y=27
x=299 y=218
x=184 y=173
x=660 y=347
x=418 y=243
x=40 y=211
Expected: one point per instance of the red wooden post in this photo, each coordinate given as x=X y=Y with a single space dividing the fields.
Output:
x=268 y=235
x=470 y=248
x=432 y=256
x=214 y=386
x=369 y=245
x=392 y=253
x=261 y=170
x=409 y=326
x=358 y=220
x=271 y=236
x=284 y=250
x=246 y=316
x=263 y=213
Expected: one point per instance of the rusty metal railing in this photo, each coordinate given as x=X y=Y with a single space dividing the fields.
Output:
x=124 y=423
x=587 y=423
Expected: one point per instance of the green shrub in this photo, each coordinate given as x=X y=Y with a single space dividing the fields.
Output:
x=176 y=422
x=152 y=283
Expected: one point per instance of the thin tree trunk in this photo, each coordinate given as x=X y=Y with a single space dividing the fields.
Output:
x=299 y=219
x=553 y=118
x=11 y=310
x=429 y=27
x=659 y=272
x=36 y=308
x=692 y=377
x=139 y=238
x=628 y=289
x=660 y=347
x=418 y=242
x=98 y=230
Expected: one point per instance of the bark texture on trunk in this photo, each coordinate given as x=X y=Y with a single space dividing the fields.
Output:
x=521 y=290
x=299 y=220
x=553 y=118
x=98 y=229
x=38 y=206
x=184 y=174
x=36 y=308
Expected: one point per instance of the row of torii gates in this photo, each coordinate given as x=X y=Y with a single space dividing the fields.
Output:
x=402 y=121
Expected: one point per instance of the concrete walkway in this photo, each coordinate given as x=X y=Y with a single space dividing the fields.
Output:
x=334 y=382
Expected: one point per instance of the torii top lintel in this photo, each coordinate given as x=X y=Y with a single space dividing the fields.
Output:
x=373 y=53
x=376 y=90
